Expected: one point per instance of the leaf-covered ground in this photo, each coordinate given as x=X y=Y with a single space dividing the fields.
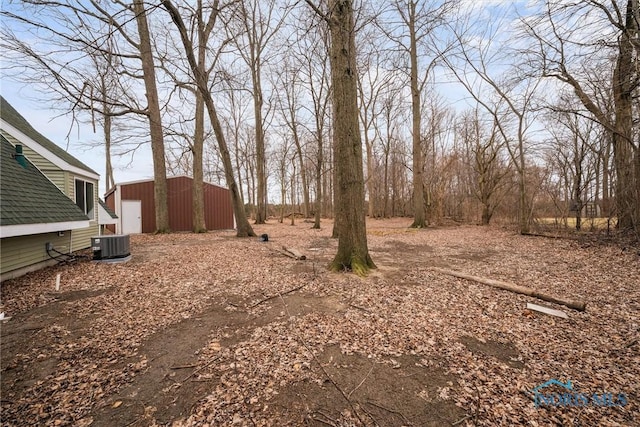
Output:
x=214 y=330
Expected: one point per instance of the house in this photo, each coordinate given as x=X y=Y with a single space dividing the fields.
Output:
x=48 y=198
x=134 y=204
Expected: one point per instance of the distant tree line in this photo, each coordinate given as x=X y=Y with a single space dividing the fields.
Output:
x=466 y=111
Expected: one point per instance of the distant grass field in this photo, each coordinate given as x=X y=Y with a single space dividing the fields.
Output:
x=587 y=223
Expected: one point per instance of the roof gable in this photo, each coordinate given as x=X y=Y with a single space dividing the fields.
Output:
x=11 y=116
x=107 y=209
x=28 y=197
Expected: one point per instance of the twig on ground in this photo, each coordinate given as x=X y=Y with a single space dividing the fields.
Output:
x=461 y=420
x=375 y=422
x=359 y=308
x=277 y=295
x=331 y=421
x=355 y=411
x=183 y=366
x=393 y=411
x=179 y=384
x=362 y=382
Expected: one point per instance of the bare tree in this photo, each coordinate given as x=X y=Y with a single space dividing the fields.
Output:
x=290 y=106
x=353 y=252
x=418 y=21
x=573 y=143
x=569 y=52
x=373 y=80
x=253 y=27
x=155 y=119
x=312 y=53
x=243 y=227
x=507 y=97
x=484 y=146
x=388 y=126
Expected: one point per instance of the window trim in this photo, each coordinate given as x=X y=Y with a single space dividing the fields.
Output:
x=90 y=213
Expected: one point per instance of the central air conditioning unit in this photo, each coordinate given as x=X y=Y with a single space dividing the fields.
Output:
x=110 y=247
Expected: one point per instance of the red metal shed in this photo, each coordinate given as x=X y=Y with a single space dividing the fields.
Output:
x=134 y=203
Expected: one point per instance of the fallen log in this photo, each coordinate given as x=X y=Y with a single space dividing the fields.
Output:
x=297 y=254
x=285 y=253
x=576 y=305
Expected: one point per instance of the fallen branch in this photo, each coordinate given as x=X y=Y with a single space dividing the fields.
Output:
x=392 y=411
x=283 y=252
x=296 y=253
x=576 y=305
x=183 y=367
x=276 y=296
x=461 y=420
x=209 y=363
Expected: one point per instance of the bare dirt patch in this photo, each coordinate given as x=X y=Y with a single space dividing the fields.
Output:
x=210 y=329
x=355 y=384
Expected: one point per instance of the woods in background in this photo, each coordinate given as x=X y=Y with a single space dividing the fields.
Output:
x=466 y=111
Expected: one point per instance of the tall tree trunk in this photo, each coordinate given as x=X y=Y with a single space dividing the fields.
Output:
x=238 y=167
x=623 y=150
x=319 y=183
x=577 y=184
x=606 y=203
x=420 y=214
x=243 y=227
x=283 y=189
x=261 y=162
x=199 y=223
x=110 y=182
x=293 y=192
x=369 y=146
x=155 y=121
x=303 y=171
x=353 y=252
x=385 y=210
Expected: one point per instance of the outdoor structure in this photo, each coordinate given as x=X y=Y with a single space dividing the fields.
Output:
x=106 y=216
x=133 y=203
x=48 y=198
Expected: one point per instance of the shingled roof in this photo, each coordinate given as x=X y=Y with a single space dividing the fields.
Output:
x=28 y=197
x=15 y=119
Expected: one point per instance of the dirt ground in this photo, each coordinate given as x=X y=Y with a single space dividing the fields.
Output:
x=210 y=330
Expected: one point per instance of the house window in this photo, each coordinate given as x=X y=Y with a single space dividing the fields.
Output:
x=84 y=197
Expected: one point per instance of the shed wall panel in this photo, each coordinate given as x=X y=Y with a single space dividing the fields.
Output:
x=180 y=199
x=218 y=210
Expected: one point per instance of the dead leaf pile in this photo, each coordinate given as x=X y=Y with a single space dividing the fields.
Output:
x=67 y=355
